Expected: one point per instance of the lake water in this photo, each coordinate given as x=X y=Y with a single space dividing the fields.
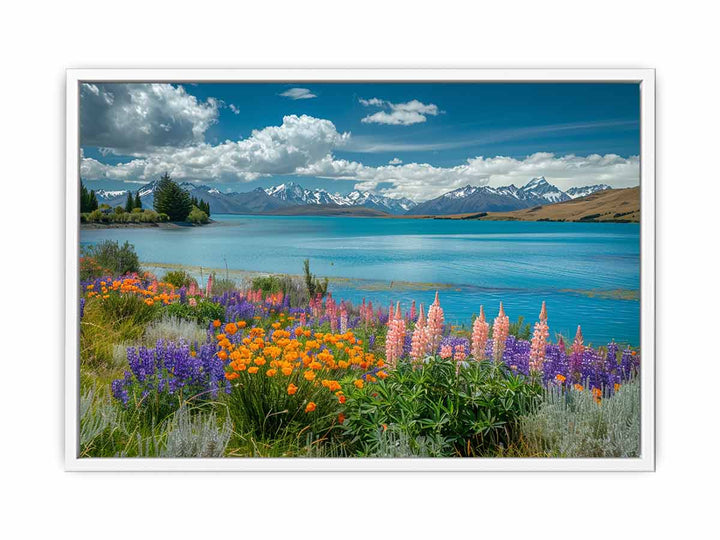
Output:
x=588 y=273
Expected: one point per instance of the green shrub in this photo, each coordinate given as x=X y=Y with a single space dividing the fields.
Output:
x=179 y=278
x=292 y=288
x=108 y=254
x=570 y=423
x=203 y=313
x=174 y=329
x=520 y=329
x=222 y=285
x=312 y=283
x=467 y=412
x=197 y=216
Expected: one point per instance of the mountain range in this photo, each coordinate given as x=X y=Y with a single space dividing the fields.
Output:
x=292 y=198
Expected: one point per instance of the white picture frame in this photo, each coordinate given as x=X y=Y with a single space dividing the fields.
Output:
x=644 y=77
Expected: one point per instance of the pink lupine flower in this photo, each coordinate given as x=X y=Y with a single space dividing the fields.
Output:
x=561 y=343
x=419 y=338
x=576 y=354
x=459 y=355
x=446 y=351
x=539 y=341
x=413 y=311
x=303 y=319
x=331 y=312
x=208 y=290
x=501 y=330
x=435 y=323
x=343 y=318
x=394 y=341
x=391 y=314
x=192 y=290
x=578 y=343
x=481 y=330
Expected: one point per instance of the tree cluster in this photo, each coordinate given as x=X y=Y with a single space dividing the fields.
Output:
x=88 y=199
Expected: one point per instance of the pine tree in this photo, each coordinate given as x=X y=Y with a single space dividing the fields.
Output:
x=138 y=202
x=129 y=204
x=171 y=199
x=84 y=199
x=93 y=200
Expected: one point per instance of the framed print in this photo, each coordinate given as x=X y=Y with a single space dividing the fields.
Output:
x=383 y=269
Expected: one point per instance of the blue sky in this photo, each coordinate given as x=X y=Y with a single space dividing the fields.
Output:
x=411 y=139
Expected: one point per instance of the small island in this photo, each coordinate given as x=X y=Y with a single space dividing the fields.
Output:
x=172 y=207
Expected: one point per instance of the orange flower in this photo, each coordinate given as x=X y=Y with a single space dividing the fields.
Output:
x=560 y=378
x=231 y=376
x=253 y=369
x=310 y=407
x=291 y=389
x=271 y=372
x=382 y=374
x=579 y=387
x=359 y=383
x=341 y=418
x=617 y=386
x=216 y=323
x=231 y=328
x=342 y=398
x=309 y=375
x=241 y=324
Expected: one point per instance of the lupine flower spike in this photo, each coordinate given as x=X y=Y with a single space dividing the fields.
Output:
x=419 y=338
x=539 y=341
x=501 y=330
x=481 y=330
x=435 y=322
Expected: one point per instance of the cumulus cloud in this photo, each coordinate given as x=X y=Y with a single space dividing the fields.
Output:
x=234 y=109
x=399 y=114
x=298 y=93
x=305 y=146
x=130 y=118
x=422 y=181
x=275 y=150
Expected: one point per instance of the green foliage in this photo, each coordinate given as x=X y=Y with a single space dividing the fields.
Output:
x=222 y=285
x=137 y=204
x=106 y=322
x=130 y=203
x=118 y=260
x=203 y=313
x=119 y=210
x=174 y=329
x=171 y=199
x=520 y=329
x=292 y=288
x=570 y=423
x=468 y=412
x=196 y=435
x=88 y=199
x=201 y=205
x=313 y=285
x=136 y=216
x=178 y=278
x=197 y=216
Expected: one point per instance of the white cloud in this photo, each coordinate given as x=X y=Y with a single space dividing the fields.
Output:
x=130 y=118
x=234 y=109
x=395 y=161
x=305 y=146
x=299 y=142
x=399 y=114
x=298 y=93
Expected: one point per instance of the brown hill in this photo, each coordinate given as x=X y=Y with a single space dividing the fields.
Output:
x=611 y=205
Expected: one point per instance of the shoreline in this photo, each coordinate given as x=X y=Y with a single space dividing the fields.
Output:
x=158 y=225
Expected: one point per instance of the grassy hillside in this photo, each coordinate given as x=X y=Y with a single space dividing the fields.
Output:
x=612 y=205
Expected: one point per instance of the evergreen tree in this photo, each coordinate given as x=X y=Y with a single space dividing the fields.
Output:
x=84 y=199
x=171 y=199
x=138 y=202
x=93 y=200
x=130 y=203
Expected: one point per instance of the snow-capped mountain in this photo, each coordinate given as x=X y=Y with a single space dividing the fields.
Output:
x=296 y=194
x=584 y=191
x=469 y=199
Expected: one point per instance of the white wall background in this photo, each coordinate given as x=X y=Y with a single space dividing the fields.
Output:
x=39 y=42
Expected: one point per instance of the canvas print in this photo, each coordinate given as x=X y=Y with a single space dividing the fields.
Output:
x=359 y=270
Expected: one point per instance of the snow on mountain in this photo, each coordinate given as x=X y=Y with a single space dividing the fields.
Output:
x=584 y=191
x=296 y=194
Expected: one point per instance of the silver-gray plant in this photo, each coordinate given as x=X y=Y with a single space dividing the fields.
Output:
x=572 y=424
x=174 y=329
x=196 y=435
x=97 y=416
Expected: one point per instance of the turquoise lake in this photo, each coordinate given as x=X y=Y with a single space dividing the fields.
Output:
x=588 y=273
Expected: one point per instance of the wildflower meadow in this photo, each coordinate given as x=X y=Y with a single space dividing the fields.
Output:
x=278 y=366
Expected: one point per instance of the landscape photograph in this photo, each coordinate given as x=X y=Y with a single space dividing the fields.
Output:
x=359 y=270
